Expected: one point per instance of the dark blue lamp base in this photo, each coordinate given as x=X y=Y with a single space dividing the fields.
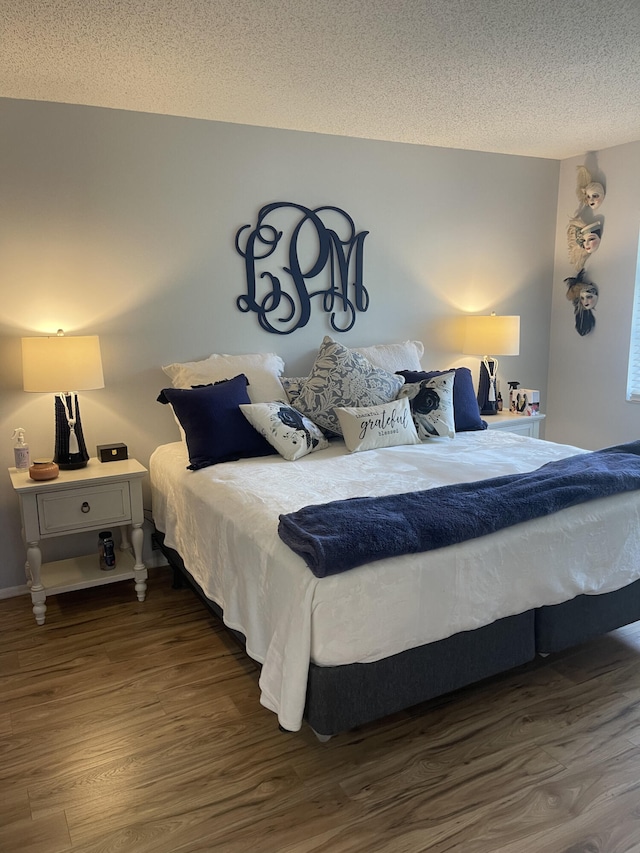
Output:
x=487 y=407
x=66 y=460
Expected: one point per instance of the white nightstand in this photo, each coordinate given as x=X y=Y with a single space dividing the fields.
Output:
x=101 y=496
x=509 y=422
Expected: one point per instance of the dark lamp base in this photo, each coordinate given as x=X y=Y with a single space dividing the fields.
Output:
x=71 y=466
x=65 y=460
x=487 y=407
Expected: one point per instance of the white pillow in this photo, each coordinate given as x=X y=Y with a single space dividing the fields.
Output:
x=289 y=432
x=343 y=377
x=395 y=357
x=263 y=370
x=431 y=402
x=386 y=425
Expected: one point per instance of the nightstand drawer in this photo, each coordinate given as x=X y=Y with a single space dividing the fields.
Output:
x=91 y=507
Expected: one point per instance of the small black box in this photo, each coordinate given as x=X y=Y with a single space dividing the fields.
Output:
x=112 y=452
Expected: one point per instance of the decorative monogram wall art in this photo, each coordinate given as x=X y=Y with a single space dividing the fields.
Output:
x=304 y=247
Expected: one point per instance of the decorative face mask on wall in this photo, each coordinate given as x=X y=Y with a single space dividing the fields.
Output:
x=594 y=194
x=584 y=297
x=582 y=240
x=590 y=193
x=591 y=242
x=589 y=296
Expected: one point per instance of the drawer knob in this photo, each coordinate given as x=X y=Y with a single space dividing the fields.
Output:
x=85 y=507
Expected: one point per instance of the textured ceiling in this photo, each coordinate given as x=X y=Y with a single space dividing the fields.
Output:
x=546 y=78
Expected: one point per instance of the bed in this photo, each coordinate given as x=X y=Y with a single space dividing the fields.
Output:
x=345 y=649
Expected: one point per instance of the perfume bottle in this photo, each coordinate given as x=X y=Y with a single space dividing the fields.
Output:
x=21 y=450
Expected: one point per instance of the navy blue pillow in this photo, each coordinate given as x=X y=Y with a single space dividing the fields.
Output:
x=466 y=412
x=215 y=428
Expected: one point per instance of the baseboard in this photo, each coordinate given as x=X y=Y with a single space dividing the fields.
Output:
x=14 y=591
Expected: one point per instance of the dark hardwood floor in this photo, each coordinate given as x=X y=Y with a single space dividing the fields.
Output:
x=130 y=727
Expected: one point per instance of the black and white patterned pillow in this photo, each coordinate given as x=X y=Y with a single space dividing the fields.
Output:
x=342 y=377
x=431 y=402
x=286 y=430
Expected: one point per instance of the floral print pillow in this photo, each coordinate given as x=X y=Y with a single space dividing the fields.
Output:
x=286 y=430
x=431 y=402
x=343 y=377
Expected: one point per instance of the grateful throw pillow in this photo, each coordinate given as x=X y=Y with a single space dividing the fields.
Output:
x=370 y=427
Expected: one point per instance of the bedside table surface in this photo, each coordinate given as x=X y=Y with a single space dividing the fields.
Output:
x=511 y=418
x=528 y=425
x=94 y=472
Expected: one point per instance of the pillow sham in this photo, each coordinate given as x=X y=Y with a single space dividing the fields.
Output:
x=289 y=432
x=263 y=372
x=369 y=427
x=394 y=357
x=431 y=402
x=215 y=428
x=465 y=404
x=343 y=377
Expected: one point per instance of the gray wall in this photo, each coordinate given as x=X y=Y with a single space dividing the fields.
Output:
x=588 y=375
x=122 y=225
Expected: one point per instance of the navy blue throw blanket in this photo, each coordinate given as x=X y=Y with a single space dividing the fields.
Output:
x=340 y=535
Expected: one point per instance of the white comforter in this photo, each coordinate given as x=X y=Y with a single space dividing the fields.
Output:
x=223 y=521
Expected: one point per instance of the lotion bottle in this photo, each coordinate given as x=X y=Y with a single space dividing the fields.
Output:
x=21 y=450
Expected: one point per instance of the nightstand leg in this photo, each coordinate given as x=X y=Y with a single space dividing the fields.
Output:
x=38 y=592
x=139 y=569
x=124 y=538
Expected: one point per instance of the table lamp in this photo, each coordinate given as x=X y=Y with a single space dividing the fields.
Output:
x=490 y=334
x=52 y=364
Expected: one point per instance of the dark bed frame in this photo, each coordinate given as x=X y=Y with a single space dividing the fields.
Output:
x=340 y=698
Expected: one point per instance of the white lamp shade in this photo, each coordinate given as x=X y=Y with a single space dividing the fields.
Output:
x=60 y=363
x=492 y=335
